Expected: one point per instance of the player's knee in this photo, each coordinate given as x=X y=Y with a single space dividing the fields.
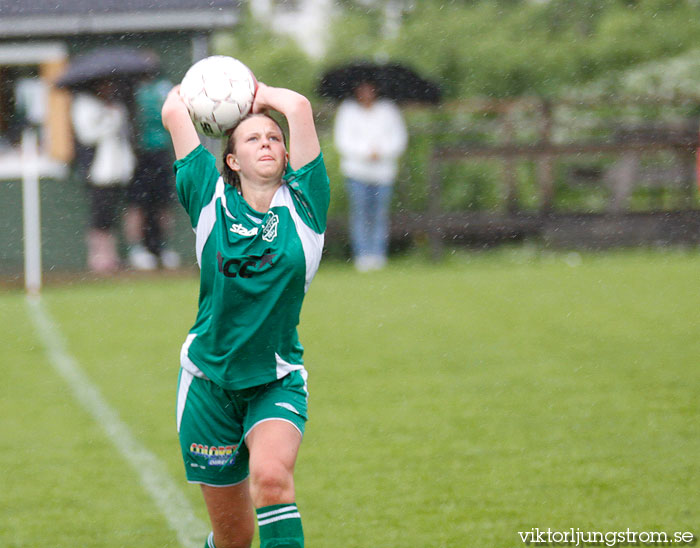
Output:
x=272 y=484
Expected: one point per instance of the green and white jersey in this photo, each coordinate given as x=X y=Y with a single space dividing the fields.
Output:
x=255 y=268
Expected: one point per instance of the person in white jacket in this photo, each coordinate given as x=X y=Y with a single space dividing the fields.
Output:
x=370 y=135
x=101 y=124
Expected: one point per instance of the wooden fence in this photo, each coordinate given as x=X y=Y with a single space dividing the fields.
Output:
x=615 y=225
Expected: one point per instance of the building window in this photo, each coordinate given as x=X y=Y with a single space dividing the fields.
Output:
x=29 y=100
x=22 y=102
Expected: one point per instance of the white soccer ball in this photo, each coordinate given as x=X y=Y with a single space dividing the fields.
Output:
x=218 y=91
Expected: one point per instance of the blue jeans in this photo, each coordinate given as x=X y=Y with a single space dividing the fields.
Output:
x=369 y=218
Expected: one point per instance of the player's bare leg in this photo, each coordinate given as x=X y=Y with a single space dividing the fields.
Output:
x=273 y=447
x=231 y=513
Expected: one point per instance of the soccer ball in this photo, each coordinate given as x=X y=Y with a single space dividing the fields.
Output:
x=218 y=91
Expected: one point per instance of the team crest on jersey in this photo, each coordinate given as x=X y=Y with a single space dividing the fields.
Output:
x=243 y=231
x=269 y=231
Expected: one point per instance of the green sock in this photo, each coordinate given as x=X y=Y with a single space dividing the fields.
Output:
x=280 y=526
x=210 y=541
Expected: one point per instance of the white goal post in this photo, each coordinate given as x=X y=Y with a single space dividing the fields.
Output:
x=31 y=212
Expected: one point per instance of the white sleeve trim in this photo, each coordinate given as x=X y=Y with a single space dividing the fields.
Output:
x=311 y=241
x=207 y=220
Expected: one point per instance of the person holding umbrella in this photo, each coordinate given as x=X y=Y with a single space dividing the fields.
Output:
x=370 y=135
x=102 y=81
x=107 y=160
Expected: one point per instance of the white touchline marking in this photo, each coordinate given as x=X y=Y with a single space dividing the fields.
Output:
x=169 y=499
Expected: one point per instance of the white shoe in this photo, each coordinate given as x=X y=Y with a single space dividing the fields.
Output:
x=366 y=263
x=170 y=259
x=142 y=259
x=377 y=262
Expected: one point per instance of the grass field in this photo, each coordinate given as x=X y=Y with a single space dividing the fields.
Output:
x=452 y=405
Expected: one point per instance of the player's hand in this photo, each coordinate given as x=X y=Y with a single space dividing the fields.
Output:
x=176 y=119
x=174 y=92
x=173 y=102
x=173 y=107
x=260 y=104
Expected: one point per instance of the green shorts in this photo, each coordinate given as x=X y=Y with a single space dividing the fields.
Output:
x=213 y=422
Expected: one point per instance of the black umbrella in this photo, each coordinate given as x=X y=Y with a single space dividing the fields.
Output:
x=393 y=80
x=109 y=63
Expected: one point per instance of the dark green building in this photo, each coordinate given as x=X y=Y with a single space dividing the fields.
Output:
x=37 y=41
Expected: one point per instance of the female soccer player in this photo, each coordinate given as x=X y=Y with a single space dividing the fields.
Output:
x=242 y=398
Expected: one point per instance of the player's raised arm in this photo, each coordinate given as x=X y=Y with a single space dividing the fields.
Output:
x=177 y=121
x=303 y=140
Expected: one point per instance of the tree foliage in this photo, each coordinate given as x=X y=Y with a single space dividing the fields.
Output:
x=516 y=47
x=501 y=48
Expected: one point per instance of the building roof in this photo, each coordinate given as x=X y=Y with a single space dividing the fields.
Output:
x=42 y=18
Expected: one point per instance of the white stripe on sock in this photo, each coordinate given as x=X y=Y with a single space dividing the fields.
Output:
x=279 y=518
x=282 y=510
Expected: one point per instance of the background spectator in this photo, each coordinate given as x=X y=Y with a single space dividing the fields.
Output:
x=370 y=136
x=107 y=162
x=148 y=220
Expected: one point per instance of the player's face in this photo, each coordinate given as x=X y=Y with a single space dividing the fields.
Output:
x=259 y=151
